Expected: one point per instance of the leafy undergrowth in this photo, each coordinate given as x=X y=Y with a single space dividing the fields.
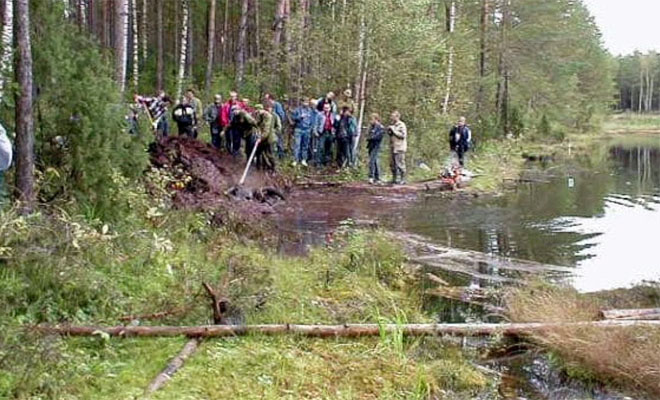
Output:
x=59 y=267
x=626 y=357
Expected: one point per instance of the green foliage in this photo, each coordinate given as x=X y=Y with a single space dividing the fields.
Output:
x=81 y=134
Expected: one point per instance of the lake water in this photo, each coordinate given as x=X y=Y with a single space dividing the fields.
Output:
x=598 y=212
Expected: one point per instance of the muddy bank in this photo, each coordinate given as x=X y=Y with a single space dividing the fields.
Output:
x=202 y=178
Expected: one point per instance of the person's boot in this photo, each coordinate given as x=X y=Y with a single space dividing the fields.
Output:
x=303 y=163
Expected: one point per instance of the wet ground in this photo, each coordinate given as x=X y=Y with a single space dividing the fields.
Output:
x=598 y=212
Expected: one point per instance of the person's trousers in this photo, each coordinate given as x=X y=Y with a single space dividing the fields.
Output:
x=265 y=158
x=301 y=145
x=250 y=142
x=343 y=148
x=187 y=130
x=216 y=138
x=398 y=166
x=280 y=145
x=233 y=142
x=351 y=151
x=458 y=154
x=374 y=167
x=325 y=148
x=163 y=127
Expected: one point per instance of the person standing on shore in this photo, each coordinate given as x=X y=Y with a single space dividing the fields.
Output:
x=212 y=117
x=376 y=131
x=460 y=140
x=399 y=145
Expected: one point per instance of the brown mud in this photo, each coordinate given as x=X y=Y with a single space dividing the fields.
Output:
x=207 y=179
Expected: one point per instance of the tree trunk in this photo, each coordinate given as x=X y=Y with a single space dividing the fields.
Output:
x=225 y=29
x=257 y=32
x=636 y=314
x=242 y=44
x=160 y=63
x=190 y=49
x=451 y=21
x=136 y=43
x=24 y=118
x=483 y=37
x=211 y=46
x=143 y=29
x=183 y=48
x=121 y=42
x=333 y=331
x=7 y=46
x=641 y=89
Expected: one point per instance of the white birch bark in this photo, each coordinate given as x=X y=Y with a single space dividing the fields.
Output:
x=143 y=29
x=450 y=57
x=121 y=45
x=183 y=49
x=136 y=43
x=7 y=49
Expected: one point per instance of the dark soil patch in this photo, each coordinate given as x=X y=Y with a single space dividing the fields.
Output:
x=206 y=179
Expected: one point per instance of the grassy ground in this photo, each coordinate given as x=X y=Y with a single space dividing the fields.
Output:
x=62 y=268
x=632 y=122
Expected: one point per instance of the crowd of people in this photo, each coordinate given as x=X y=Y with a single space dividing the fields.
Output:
x=317 y=133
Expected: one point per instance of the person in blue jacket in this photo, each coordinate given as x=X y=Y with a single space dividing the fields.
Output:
x=304 y=119
x=460 y=140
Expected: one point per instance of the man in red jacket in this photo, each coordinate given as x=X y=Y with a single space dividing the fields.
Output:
x=232 y=137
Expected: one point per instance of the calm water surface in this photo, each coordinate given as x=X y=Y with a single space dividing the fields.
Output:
x=599 y=213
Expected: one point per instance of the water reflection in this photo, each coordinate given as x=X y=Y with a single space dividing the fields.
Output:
x=606 y=223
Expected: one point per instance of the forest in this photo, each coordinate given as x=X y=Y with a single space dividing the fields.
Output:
x=99 y=226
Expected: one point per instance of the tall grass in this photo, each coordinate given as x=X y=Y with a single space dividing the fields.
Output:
x=627 y=357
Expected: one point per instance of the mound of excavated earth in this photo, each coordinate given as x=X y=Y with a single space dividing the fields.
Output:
x=207 y=179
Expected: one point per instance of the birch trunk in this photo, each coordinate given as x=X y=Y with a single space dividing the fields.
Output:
x=641 y=90
x=121 y=42
x=143 y=30
x=189 y=48
x=24 y=116
x=211 y=46
x=242 y=43
x=7 y=46
x=451 y=21
x=136 y=42
x=183 y=48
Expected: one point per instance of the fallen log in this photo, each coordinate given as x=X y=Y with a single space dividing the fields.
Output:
x=177 y=362
x=324 y=331
x=633 y=314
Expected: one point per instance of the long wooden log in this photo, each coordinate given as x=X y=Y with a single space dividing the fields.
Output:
x=634 y=314
x=177 y=362
x=349 y=330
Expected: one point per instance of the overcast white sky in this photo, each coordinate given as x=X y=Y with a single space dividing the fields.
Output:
x=628 y=25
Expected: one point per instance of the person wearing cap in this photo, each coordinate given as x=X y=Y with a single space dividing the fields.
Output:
x=304 y=118
x=328 y=99
x=212 y=117
x=266 y=124
x=347 y=100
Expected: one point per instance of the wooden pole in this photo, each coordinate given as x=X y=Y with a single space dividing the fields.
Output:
x=641 y=314
x=325 y=331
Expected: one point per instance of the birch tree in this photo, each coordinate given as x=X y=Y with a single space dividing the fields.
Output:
x=143 y=30
x=7 y=46
x=24 y=118
x=136 y=49
x=121 y=42
x=182 y=48
x=451 y=23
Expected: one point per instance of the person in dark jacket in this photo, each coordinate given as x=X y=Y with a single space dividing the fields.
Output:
x=212 y=117
x=186 y=119
x=376 y=132
x=328 y=99
x=232 y=138
x=326 y=125
x=460 y=140
x=345 y=129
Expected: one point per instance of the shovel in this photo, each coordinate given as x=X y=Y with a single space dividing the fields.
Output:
x=249 y=162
